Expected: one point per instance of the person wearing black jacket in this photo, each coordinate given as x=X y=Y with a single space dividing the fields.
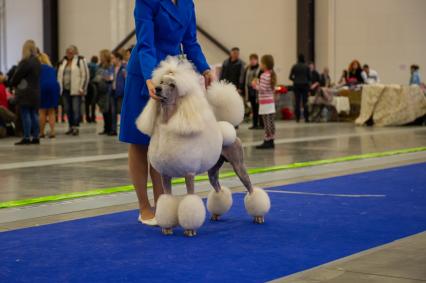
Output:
x=252 y=73
x=233 y=70
x=300 y=75
x=26 y=82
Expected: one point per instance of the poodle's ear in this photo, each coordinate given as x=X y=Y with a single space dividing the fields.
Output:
x=188 y=119
x=147 y=119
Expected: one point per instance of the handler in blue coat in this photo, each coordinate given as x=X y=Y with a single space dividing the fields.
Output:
x=162 y=27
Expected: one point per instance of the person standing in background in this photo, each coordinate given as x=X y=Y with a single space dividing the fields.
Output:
x=127 y=55
x=252 y=73
x=49 y=95
x=117 y=93
x=91 y=91
x=73 y=77
x=233 y=70
x=26 y=82
x=103 y=79
x=300 y=75
x=266 y=87
x=415 y=75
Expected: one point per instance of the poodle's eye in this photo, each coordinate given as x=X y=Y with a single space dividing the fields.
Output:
x=162 y=82
x=172 y=85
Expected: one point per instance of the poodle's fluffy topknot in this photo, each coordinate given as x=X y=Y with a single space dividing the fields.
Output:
x=226 y=102
x=182 y=71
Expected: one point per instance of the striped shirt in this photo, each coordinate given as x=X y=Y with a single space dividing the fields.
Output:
x=266 y=92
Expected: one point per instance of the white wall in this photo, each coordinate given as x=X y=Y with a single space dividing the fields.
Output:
x=22 y=25
x=386 y=34
x=252 y=26
x=94 y=25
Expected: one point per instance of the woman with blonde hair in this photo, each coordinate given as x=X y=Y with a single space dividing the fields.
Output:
x=50 y=92
x=26 y=82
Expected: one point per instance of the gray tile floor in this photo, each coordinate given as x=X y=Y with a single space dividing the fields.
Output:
x=74 y=164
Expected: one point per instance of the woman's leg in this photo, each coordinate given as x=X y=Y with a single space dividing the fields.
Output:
x=35 y=124
x=138 y=166
x=76 y=109
x=157 y=183
x=43 y=115
x=51 y=114
x=26 y=122
x=67 y=100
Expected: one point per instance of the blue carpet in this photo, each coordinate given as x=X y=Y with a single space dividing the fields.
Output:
x=302 y=231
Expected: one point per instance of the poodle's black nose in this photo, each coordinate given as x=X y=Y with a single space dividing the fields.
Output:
x=158 y=90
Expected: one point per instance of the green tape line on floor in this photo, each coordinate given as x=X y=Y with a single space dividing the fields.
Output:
x=230 y=174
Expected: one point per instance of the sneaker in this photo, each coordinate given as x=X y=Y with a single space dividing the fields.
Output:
x=23 y=142
x=69 y=132
x=266 y=145
x=35 y=141
x=75 y=132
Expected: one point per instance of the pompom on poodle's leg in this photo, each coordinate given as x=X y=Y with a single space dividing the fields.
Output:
x=219 y=200
x=257 y=205
x=167 y=208
x=257 y=201
x=191 y=211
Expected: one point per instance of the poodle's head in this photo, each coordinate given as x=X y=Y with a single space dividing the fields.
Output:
x=175 y=78
x=182 y=104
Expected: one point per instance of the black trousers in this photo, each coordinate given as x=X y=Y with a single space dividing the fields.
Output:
x=252 y=96
x=301 y=100
x=90 y=104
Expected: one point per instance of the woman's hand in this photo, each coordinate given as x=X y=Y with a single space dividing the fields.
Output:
x=208 y=78
x=151 y=88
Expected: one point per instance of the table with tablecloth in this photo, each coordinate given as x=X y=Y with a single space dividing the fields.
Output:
x=391 y=105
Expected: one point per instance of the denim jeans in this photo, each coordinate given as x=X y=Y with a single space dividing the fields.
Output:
x=30 y=122
x=114 y=108
x=72 y=105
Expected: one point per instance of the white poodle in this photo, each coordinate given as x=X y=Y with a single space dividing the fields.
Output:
x=191 y=133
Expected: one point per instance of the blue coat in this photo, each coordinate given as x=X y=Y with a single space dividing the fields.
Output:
x=49 y=88
x=161 y=28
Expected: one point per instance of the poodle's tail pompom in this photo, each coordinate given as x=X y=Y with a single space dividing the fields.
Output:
x=257 y=203
x=219 y=203
x=228 y=132
x=147 y=119
x=167 y=211
x=226 y=102
x=191 y=212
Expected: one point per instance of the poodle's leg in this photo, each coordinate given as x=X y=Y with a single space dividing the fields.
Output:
x=189 y=181
x=191 y=212
x=219 y=200
x=235 y=155
x=167 y=184
x=167 y=208
x=214 y=174
x=257 y=201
